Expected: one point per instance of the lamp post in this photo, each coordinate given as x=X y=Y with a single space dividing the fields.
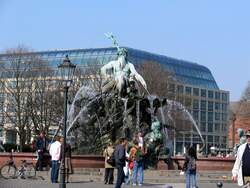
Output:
x=66 y=71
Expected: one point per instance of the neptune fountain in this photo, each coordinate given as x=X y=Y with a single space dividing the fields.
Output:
x=123 y=108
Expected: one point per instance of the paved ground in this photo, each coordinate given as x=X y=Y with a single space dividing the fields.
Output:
x=84 y=184
x=20 y=183
x=93 y=178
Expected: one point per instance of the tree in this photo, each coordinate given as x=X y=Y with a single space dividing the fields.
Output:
x=31 y=103
x=243 y=108
x=45 y=101
x=159 y=80
x=15 y=79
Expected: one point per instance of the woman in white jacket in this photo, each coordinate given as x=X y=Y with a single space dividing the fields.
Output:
x=237 y=169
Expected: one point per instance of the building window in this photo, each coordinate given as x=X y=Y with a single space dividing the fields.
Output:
x=203 y=126
x=217 y=106
x=210 y=139
x=223 y=127
x=203 y=105
x=217 y=127
x=195 y=104
x=210 y=94
x=210 y=127
x=217 y=140
x=224 y=117
x=203 y=93
x=188 y=90
x=10 y=136
x=203 y=116
x=196 y=115
x=224 y=107
x=210 y=116
x=217 y=116
x=210 y=106
x=224 y=96
x=196 y=92
x=217 y=95
x=180 y=89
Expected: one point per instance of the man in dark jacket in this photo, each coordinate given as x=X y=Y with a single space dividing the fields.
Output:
x=41 y=148
x=120 y=158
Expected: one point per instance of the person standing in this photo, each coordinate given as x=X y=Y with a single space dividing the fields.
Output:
x=120 y=158
x=55 y=152
x=140 y=140
x=241 y=169
x=68 y=164
x=109 y=169
x=40 y=149
x=189 y=168
x=137 y=155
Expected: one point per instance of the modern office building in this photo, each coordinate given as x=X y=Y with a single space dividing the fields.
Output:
x=209 y=104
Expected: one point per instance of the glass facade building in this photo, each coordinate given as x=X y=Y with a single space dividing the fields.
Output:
x=209 y=104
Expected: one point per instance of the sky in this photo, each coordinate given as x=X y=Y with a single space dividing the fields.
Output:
x=213 y=33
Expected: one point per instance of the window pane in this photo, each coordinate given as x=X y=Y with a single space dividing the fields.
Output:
x=217 y=106
x=210 y=127
x=196 y=92
x=203 y=116
x=180 y=89
x=210 y=106
x=203 y=127
x=188 y=90
x=210 y=116
x=203 y=93
x=217 y=95
x=210 y=94
x=203 y=105
x=195 y=104
x=217 y=127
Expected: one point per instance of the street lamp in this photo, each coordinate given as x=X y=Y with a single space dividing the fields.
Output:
x=66 y=71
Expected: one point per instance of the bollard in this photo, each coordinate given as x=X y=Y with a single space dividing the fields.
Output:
x=219 y=184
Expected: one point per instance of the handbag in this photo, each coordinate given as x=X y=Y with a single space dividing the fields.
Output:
x=131 y=165
x=111 y=160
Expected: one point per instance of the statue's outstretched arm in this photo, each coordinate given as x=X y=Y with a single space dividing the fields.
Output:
x=137 y=75
x=106 y=67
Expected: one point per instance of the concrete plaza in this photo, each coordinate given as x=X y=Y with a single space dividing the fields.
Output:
x=18 y=183
x=88 y=178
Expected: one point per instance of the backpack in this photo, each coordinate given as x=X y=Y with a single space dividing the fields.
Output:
x=139 y=156
x=192 y=163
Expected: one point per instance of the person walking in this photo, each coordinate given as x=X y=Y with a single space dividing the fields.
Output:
x=40 y=149
x=55 y=152
x=137 y=156
x=241 y=168
x=189 y=168
x=109 y=169
x=120 y=158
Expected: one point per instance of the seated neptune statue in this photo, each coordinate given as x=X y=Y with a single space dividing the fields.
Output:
x=118 y=74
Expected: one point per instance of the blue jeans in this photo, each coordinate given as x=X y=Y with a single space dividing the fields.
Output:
x=138 y=168
x=54 y=171
x=192 y=177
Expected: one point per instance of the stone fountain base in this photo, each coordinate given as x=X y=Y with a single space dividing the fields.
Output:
x=96 y=161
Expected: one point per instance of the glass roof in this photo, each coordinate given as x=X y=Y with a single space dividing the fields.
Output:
x=185 y=72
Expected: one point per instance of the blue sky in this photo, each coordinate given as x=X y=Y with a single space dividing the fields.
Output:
x=214 y=33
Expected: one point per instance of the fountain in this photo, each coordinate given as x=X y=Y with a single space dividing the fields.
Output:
x=120 y=110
